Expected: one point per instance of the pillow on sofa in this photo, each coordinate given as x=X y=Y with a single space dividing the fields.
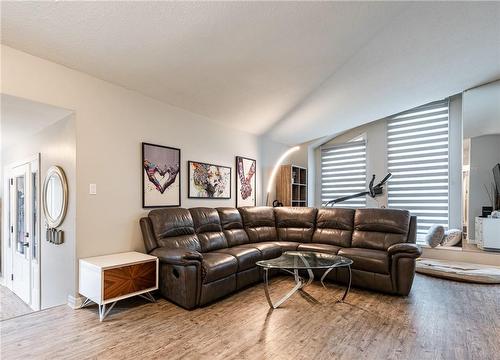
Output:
x=435 y=235
x=452 y=237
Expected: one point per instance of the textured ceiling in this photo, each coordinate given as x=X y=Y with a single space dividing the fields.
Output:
x=428 y=52
x=242 y=63
x=293 y=70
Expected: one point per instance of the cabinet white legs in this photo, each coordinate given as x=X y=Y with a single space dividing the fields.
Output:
x=148 y=297
x=104 y=309
x=103 y=312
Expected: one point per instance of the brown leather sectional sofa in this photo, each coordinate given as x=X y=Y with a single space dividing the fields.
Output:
x=207 y=253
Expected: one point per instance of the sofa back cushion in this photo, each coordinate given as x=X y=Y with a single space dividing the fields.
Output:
x=232 y=226
x=295 y=223
x=334 y=226
x=174 y=228
x=208 y=229
x=380 y=228
x=259 y=223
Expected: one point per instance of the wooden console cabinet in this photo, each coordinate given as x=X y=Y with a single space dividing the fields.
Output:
x=108 y=279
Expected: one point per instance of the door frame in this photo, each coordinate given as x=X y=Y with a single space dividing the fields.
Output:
x=8 y=246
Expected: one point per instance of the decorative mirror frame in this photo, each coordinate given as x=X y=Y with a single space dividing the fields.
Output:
x=55 y=170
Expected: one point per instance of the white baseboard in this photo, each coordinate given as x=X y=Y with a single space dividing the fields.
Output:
x=75 y=302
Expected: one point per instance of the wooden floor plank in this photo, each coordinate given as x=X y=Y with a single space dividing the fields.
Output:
x=439 y=320
x=11 y=305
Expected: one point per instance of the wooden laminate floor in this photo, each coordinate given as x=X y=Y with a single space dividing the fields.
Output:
x=11 y=305
x=440 y=320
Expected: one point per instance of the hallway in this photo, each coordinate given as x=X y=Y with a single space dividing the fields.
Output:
x=10 y=305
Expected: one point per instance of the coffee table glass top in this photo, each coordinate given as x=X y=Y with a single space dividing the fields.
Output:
x=305 y=260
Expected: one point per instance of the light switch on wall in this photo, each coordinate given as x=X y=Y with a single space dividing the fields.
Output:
x=93 y=189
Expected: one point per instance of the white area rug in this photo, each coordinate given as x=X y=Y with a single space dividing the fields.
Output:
x=476 y=273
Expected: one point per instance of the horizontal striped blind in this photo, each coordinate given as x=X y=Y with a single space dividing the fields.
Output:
x=417 y=149
x=343 y=172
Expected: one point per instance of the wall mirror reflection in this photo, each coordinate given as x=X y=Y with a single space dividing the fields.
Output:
x=481 y=169
x=55 y=196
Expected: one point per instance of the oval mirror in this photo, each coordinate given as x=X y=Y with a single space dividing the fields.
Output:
x=55 y=196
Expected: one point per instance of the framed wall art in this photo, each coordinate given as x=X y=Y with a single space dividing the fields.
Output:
x=209 y=181
x=161 y=176
x=245 y=181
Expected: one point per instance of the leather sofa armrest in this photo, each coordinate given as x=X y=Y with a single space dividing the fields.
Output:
x=412 y=231
x=179 y=256
x=405 y=250
x=148 y=234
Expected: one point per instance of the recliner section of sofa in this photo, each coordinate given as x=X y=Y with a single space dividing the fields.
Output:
x=208 y=253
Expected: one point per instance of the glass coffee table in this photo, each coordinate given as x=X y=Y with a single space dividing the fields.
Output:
x=293 y=261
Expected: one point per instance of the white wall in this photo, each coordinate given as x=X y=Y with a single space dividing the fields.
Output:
x=269 y=152
x=57 y=146
x=484 y=154
x=111 y=123
x=308 y=156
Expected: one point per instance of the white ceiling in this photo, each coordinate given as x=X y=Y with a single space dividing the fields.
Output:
x=293 y=70
x=21 y=118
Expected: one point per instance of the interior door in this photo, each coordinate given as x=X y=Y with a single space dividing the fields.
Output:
x=20 y=210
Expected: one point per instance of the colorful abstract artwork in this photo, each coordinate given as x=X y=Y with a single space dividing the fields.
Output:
x=245 y=181
x=161 y=184
x=209 y=181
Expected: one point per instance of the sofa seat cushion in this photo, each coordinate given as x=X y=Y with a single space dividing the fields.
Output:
x=286 y=245
x=216 y=266
x=367 y=259
x=268 y=250
x=246 y=256
x=324 y=248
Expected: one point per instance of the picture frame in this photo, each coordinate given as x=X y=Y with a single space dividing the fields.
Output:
x=161 y=176
x=246 y=181
x=209 y=181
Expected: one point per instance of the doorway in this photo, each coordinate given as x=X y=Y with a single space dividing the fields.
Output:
x=34 y=272
x=22 y=248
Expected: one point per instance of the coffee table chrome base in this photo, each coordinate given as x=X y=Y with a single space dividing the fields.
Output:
x=348 y=283
x=299 y=284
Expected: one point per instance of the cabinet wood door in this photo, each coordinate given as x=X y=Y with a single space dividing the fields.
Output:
x=129 y=279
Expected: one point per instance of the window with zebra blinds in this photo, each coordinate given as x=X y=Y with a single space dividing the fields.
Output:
x=417 y=157
x=417 y=151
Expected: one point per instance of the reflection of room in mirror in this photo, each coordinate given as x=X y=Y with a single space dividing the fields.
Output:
x=481 y=154
x=54 y=196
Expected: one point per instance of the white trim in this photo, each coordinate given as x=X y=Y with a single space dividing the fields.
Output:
x=75 y=302
x=6 y=253
x=29 y=159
